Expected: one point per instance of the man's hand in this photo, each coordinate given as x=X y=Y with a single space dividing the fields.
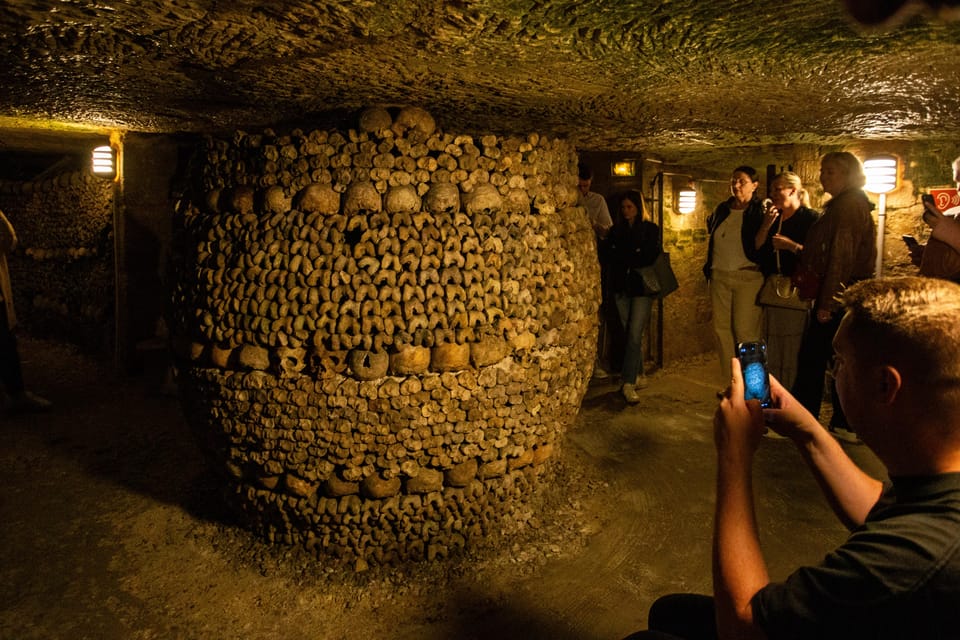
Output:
x=931 y=215
x=739 y=570
x=737 y=423
x=788 y=417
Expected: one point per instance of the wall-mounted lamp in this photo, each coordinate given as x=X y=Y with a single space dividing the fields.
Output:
x=881 y=172
x=104 y=162
x=624 y=169
x=686 y=201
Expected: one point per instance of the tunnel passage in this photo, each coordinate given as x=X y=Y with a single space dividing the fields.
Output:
x=383 y=333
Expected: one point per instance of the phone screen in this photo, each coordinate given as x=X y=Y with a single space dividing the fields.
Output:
x=753 y=363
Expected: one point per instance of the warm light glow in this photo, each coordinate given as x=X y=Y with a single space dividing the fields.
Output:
x=103 y=165
x=624 y=169
x=686 y=201
x=881 y=174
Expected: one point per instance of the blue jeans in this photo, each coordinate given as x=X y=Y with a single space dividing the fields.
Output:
x=634 y=316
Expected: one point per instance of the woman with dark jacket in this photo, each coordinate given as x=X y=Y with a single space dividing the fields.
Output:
x=840 y=249
x=731 y=268
x=634 y=243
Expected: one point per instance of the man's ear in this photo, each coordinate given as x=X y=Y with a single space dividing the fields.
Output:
x=889 y=383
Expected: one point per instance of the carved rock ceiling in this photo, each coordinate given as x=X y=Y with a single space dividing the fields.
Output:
x=669 y=78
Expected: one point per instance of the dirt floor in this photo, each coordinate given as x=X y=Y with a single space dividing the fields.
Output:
x=110 y=527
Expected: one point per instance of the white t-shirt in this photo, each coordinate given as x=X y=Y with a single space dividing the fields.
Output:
x=728 y=252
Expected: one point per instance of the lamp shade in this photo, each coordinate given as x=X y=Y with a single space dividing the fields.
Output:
x=686 y=201
x=881 y=173
x=623 y=169
x=103 y=164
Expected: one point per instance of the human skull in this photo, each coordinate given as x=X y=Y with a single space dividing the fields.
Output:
x=402 y=199
x=241 y=200
x=290 y=361
x=375 y=119
x=275 y=200
x=517 y=201
x=544 y=203
x=483 y=199
x=565 y=195
x=414 y=118
x=443 y=197
x=318 y=198
x=361 y=196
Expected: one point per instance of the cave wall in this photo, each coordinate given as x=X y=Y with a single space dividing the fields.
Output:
x=63 y=268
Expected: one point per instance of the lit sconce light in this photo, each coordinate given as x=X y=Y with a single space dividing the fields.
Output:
x=624 y=169
x=686 y=201
x=881 y=174
x=104 y=165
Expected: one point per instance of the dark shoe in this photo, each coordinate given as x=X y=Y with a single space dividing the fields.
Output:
x=27 y=401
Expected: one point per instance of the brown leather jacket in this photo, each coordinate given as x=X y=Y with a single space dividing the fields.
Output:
x=841 y=246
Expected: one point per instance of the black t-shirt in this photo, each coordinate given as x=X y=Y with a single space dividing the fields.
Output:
x=896 y=577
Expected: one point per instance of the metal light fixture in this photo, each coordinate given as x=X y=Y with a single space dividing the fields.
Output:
x=686 y=201
x=624 y=169
x=104 y=162
x=881 y=172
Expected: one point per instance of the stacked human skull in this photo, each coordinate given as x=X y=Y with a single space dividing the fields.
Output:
x=384 y=333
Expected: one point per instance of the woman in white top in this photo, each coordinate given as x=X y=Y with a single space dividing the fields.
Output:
x=732 y=267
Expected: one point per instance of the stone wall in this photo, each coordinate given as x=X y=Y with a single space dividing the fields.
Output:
x=383 y=332
x=63 y=268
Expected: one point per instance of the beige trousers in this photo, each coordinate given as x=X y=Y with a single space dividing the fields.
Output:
x=736 y=314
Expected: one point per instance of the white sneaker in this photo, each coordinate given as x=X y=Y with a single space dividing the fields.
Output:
x=630 y=394
x=599 y=373
x=641 y=382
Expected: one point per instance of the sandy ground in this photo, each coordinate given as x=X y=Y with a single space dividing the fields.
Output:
x=111 y=527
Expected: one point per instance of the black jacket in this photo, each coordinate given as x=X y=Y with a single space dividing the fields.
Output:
x=752 y=219
x=636 y=245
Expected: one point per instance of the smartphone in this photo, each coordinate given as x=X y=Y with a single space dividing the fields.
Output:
x=910 y=241
x=753 y=364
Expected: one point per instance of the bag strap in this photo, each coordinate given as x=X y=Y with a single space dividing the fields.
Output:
x=776 y=252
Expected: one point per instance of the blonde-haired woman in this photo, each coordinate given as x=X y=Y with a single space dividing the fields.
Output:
x=780 y=240
x=840 y=249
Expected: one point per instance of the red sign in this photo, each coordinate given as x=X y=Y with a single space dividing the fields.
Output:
x=947 y=200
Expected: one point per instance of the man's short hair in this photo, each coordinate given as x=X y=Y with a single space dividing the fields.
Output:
x=584 y=172
x=911 y=323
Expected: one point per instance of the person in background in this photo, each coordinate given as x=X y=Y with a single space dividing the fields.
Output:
x=17 y=398
x=780 y=239
x=840 y=250
x=634 y=243
x=732 y=267
x=600 y=220
x=940 y=256
x=897 y=575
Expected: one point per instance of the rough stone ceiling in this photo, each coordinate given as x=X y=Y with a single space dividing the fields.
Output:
x=668 y=77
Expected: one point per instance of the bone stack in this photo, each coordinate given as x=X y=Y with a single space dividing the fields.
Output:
x=384 y=332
